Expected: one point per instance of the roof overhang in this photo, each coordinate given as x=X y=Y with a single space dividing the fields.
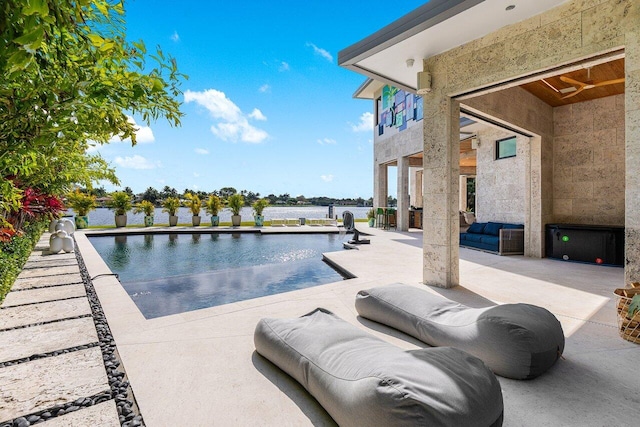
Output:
x=368 y=89
x=433 y=28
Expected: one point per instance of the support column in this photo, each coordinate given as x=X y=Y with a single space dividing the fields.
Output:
x=403 y=194
x=441 y=172
x=632 y=158
x=462 y=205
x=417 y=188
x=380 y=184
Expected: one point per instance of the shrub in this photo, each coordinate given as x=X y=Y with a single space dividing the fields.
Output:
x=171 y=205
x=194 y=203
x=145 y=207
x=259 y=205
x=81 y=203
x=371 y=214
x=213 y=205
x=120 y=202
x=14 y=253
x=236 y=202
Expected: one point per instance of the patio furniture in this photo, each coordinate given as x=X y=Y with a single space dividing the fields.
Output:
x=519 y=341
x=380 y=218
x=277 y=222
x=497 y=237
x=390 y=219
x=292 y=222
x=364 y=381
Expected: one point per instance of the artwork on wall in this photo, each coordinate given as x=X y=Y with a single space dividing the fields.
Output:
x=396 y=108
x=409 y=104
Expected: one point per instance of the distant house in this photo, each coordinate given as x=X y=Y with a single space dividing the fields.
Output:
x=102 y=201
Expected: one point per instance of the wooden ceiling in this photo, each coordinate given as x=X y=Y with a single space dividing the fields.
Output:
x=467 y=154
x=550 y=92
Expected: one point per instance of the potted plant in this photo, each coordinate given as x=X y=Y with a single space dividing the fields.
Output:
x=628 y=307
x=195 y=204
x=120 y=203
x=81 y=203
x=258 y=206
x=171 y=205
x=148 y=209
x=235 y=202
x=212 y=207
x=371 y=216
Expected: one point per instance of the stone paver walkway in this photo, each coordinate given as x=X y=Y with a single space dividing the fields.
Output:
x=51 y=364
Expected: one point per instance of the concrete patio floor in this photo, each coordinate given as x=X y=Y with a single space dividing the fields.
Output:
x=200 y=368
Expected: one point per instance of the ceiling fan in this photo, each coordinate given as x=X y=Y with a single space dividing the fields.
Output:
x=583 y=86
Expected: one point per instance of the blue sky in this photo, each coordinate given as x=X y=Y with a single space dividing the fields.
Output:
x=267 y=108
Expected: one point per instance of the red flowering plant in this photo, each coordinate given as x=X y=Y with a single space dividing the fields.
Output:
x=34 y=205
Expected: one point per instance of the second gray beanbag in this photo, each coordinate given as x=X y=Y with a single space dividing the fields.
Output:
x=518 y=341
x=363 y=381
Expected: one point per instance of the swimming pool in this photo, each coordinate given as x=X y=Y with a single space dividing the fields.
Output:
x=172 y=273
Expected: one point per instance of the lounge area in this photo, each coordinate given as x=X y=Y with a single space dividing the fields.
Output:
x=496 y=237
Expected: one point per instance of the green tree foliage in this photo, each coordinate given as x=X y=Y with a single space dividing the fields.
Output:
x=168 y=192
x=226 y=192
x=69 y=81
x=151 y=195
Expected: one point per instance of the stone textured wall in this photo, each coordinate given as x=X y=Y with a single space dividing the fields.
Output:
x=501 y=185
x=522 y=110
x=589 y=162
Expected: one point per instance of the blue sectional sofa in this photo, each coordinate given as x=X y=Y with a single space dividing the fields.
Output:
x=498 y=237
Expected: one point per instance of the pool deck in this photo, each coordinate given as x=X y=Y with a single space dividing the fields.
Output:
x=200 y=368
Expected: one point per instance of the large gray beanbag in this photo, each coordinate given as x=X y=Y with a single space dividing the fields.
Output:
x=518 y=341
x=363 y=381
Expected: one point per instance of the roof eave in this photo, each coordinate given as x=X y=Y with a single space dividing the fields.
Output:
x=379 y=77
x=426 y=16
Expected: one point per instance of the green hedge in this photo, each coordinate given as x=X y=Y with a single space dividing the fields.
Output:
x=15 y=253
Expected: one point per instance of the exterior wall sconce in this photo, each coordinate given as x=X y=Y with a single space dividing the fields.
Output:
x=475 y=143
x=424 y=82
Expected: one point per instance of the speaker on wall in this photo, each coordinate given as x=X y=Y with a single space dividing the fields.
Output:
x=424 y=82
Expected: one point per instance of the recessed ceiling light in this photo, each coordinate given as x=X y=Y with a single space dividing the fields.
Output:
x=510 y=7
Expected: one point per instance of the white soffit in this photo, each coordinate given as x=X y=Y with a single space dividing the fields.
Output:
x=383 y=55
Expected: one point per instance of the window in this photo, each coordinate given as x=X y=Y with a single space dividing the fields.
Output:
x=506 y=148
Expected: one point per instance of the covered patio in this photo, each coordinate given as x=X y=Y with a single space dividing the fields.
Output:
x=487 y=60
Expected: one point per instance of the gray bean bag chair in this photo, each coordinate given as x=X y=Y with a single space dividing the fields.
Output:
x=363 y=381
x=518 y=341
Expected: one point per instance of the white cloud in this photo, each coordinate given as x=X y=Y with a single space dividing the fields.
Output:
x=326 y=178
x=264 y=88
x=175 y=36
x=196 y=175
x=327 y=141
x=144 y=134
x=365 y=124
x=231 y=124
x=283 y=66
x=201 y=151
x=319 y=51
x=257 y=115
x=136 y=162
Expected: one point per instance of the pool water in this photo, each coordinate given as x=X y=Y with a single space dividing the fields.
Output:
x=173 y=273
